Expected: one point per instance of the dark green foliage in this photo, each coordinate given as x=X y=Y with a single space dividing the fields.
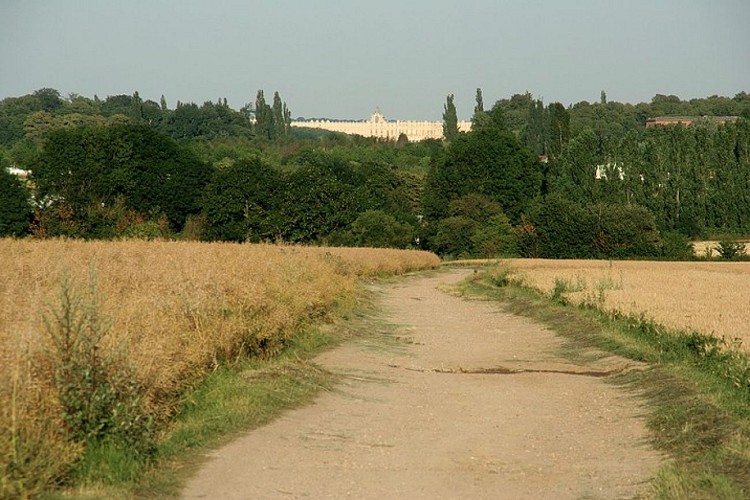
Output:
x=315 y=203
x=559 y=129
x=82 y=172
x=563 y=229
x=476 y=227
x=495 y=238
x=15 y=210
x=479 y=107
x=676 y=246
x=453 y=237
x=693 y=179
x=624 y=231
x=450 y=120
x=490 y=162
x=239 y=200
x=271 y=121
x=49 y=99
x=210 y=121
x=375 y=228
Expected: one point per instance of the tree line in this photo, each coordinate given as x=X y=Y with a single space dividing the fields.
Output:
x=525 y=180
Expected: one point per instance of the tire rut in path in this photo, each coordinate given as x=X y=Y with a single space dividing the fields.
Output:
x=432 y=418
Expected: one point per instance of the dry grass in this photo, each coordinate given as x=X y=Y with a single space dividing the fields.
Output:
x=710 y=297
x=705 y=248
x=178 y=309
x=708 y=248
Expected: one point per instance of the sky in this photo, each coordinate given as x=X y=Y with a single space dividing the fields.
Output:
x=344 y=58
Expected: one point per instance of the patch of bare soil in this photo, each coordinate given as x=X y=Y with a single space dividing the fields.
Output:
x=476 y=403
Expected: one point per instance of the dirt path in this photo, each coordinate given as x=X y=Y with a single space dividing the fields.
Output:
x=477 y=406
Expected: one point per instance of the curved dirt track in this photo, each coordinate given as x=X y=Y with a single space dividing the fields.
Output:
x=475 y=405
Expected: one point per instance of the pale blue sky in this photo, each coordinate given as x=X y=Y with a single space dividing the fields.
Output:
x=342 y=58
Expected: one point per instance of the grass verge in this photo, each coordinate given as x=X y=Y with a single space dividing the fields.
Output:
x=698 y=390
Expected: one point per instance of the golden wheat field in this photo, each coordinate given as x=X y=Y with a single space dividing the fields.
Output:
x=710 y=297
x=175 y=309
x=178 y=307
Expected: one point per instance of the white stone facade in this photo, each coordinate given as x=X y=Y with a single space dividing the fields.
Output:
x=378 y=126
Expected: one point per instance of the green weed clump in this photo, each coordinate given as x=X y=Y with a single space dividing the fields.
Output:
x=730 y=249
x=99 y=395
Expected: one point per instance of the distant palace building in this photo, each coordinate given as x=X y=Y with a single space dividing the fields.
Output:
x=661 y=121
x=378 y=126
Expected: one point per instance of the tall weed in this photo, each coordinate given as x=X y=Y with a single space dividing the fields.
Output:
x=97 y=390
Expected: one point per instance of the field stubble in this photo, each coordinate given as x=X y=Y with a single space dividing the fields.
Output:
x=176 y=310
x=708 y=297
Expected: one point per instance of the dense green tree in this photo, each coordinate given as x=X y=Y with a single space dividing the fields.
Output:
x=559 y=129
x=573 y=175
x=314 y=204
x=495 y=238
x=15 y=210
x=479 y=107
x=453 y=237
x=263 y=117
x=490 y=235
x=490 y=162
x=624 y=231
x=450 y=119
x=83 y=171
x=121 y=104
x=49 y=99
x=239 y=201
x=279 y=120
x=209 y=121
x=474 y=206
x=564 y=229
x=573 y=230
x=516 y=111
x=377 y=229
x=536 y=133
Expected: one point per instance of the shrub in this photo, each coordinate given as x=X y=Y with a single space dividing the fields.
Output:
x=453 y=236
x=676 y=246
x=624 y=231
x=565 y=229
x=15 y=211
x=730 y=249
x=374 y=228
x=495 y=238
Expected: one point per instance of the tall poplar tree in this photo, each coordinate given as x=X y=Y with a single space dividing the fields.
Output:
x=450 y=120
x=263 y=117
x=559 y=128
x=479 y=107
x=480 y=118
x=279 y=126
